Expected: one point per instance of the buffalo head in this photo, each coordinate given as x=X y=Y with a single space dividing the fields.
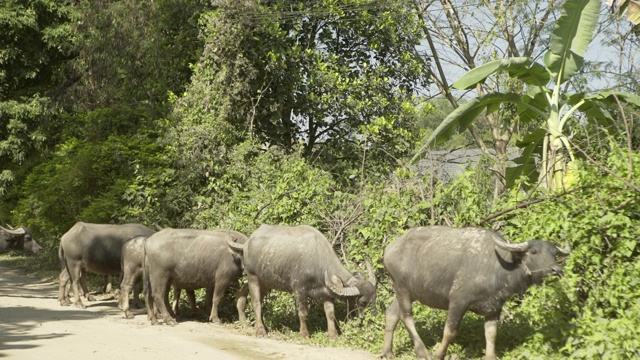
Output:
x=21 y=239
x=538 y=257
x=363 y=290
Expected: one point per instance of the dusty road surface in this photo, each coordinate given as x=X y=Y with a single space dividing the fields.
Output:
x=34 y=326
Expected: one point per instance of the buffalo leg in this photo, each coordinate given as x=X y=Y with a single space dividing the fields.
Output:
x=84 y=287
x=75 y=272
x=406 y=316
x=176 y=299
x=329 y=311
x=137 y=289
x=148 y=299
x=208 y=300
x=490 y=333
x=191 y=295
x=450 y=329
x=241 y=302
x=160 y=299
x=148 y=295
x=108 y=284
x=128 y=283
x=392 y=316
x=256 y=303
x=167 y=304
x=303 y=311
x=64 y=287
x=157 y=301
x=220 y=288
x=63 y=281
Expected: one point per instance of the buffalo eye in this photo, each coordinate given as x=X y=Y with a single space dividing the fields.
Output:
x=534 y=251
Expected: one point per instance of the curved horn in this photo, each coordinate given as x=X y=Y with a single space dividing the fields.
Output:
x=522 y=247
x=566 y=250
x=340 y=291
x=372 y=275
x=233 y=244
x=19 y=231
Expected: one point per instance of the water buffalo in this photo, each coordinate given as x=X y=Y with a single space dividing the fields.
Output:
x=93 y=247
x=131 y=260
x=300 y=260
x=191 y=259
x=460 y=269
x=18 y=239
x=131 y=276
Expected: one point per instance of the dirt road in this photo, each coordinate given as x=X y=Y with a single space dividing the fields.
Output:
x=34 y=326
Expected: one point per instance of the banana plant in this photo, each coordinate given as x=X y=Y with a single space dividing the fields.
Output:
x=545 y=101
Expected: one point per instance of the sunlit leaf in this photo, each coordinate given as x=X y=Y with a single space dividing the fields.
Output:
x=460 y=118
x=571 y=36
x=522 y=68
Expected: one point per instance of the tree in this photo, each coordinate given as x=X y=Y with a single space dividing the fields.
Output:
x=134 y=53
x=462 y=35
x=335 y=77
x=36 y=43
x=570 y=38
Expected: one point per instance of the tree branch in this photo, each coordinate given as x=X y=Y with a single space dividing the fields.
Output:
x=525 y=204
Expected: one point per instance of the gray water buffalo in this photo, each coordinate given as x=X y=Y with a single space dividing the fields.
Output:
x=460 y=269
x=131 y=261
x=93 y=247
x=299 y=260
x=131 y=277
x=191 y=259
x=18 y=239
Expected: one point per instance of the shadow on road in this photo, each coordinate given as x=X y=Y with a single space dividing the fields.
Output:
x=18 y=322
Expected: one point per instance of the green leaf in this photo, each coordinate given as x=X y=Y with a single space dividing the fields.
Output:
x=536 y=99
x=597 y=107
x=611 y=96
x=522 y=68
x=460 y=118
x=570 y=63
x=531 y=144
x=571 y=36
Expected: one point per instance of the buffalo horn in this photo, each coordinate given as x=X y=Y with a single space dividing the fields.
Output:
x=522 y=247
x=372 y=275
x=233 y=244
x=19 y=231
x=566 y=249
x=340 y=291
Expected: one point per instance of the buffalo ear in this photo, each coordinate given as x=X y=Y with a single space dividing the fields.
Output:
x=358 y=275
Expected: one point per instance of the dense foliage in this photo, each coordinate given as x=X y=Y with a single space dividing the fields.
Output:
x=231 y=114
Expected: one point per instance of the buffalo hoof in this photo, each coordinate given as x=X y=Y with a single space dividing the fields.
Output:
x=80 y=305
x=65 y=302
x=333 y=337
x=171 y=322
x=91 y=298
x=216 y=321
x=128 y=315
x=387 y=355
x=261 y=332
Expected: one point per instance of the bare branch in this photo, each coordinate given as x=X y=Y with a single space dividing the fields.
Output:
x=525 y=204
